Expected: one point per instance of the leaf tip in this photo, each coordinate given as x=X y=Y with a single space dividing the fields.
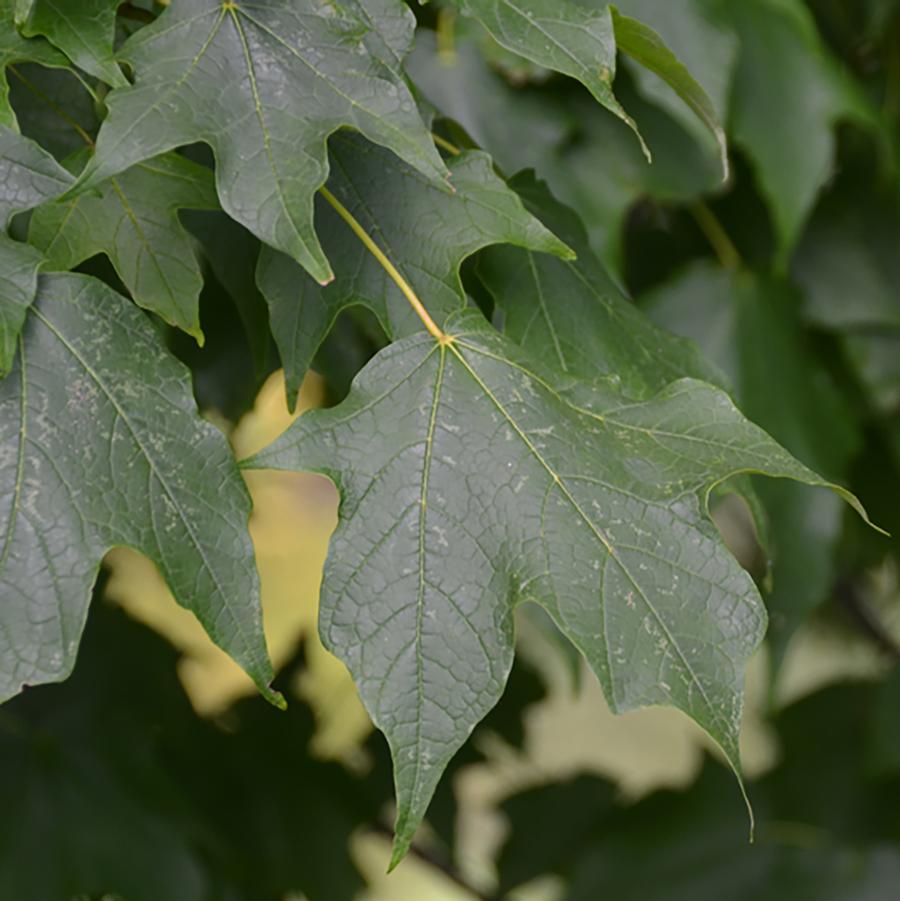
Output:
x=398 y=851
x=275 y=698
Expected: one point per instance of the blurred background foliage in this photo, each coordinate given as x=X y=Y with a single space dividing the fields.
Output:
x=787 y=274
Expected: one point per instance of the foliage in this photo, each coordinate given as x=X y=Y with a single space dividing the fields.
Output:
x=574 y=273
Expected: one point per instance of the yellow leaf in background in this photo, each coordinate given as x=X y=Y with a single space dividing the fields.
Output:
x=293 y=517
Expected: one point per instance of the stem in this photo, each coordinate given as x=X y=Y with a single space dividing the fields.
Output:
x=715 y=233
x=387 y=265
x=444 y=144
x=446 y=46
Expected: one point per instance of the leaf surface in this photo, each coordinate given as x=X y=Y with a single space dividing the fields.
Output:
x=597 y=334
x=28 y=176
x=426 y=232
x=84 y=30
x=469 y=485
x=559 y=35
x=101 y=445
x=265 y=84
x=749 y=325
x=133 y=219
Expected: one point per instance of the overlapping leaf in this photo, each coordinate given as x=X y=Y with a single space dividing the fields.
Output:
x=597 y=334
x=16 y=49
x=133 y=219
x=83 y=29
x=470 y=485
x=100 y=445
x=647 y=48
x=426 y=232
x=560 y=35
x=587 y=157
x=28 y=176
x=265 y=85
x=704 y=45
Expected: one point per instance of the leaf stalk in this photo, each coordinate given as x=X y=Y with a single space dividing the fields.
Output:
x=404 y=286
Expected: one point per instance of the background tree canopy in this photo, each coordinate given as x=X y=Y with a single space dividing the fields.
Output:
x=391 y=393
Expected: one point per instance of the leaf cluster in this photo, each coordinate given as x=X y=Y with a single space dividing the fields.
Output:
x=574 y=274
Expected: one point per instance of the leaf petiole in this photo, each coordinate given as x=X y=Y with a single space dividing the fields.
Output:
x=387 y=265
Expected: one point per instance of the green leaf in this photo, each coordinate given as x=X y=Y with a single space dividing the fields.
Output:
x=426 y=232
x=470 y=485
x=264 y=86
x=517 y=127
x=691 y=31
x=646 y=47
x=84 y=30
x=100 y=445
x=750 y=326
x=28 y=176
x=133 y=219
x=16 y=49
x=559 y=35
x=597 y=334
x=788 y=96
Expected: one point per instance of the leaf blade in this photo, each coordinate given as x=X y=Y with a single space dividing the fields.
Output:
x=284 y=64
x=106 y=448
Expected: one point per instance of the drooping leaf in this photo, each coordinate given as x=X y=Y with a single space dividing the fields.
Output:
x=133 y=219
x=265 y=85
x=28 y=176
x=560 y=35
x=101 y=445
x=16 y=49
x=693 y=34
x=597 y=334
x=788 y=96
x=84 y=30
x=646 y=47
x=425 y=231
x=470 y=485
x=749 y=325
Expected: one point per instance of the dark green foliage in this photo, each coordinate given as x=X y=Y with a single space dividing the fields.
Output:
x=539 y=382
